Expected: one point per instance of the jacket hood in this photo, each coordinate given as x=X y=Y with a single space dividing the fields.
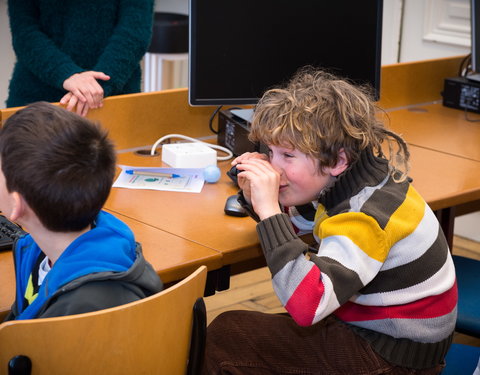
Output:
x=107 y=251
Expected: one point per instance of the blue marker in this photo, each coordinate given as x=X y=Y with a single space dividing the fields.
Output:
x=152 y=174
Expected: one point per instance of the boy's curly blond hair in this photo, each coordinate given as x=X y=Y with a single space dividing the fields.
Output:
x=318 y=114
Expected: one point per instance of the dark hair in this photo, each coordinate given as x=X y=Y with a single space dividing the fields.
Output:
x=62 y=164
x=319 y=113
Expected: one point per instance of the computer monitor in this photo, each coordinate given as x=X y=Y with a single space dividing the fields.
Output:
x=241 y=48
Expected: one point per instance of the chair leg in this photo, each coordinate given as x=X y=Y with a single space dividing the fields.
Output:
x=199 y=333
x=20 y=365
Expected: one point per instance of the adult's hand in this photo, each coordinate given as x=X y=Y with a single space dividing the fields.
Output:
x=73 y=104
x=85 y=87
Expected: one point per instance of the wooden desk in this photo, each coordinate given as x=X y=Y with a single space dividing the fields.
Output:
x=445 y=181
x=197 y=217
x=172 y=257
x=439 y=128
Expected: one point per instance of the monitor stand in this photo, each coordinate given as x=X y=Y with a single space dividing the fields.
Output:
x=474 y=77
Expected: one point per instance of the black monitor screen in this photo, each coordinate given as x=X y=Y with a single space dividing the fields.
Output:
x=475 y=34
x=240 y=48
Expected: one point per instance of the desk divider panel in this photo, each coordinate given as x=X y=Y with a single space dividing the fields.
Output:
x=136 y=120
x=416 y=82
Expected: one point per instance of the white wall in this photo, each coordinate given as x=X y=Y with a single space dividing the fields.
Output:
x=435 y=28
x=391 y=26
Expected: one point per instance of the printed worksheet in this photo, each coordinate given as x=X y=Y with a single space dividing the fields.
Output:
x=189 y=180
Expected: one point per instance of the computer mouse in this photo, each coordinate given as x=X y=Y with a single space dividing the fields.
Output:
x=233 y=207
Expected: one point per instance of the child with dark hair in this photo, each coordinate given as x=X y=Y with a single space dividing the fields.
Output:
x=378 y=295
x=57 y=170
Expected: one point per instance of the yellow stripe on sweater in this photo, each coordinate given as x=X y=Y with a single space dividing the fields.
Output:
x=361 y=229
x=406 y=218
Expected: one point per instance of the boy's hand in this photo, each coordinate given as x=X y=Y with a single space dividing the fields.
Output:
x=262 y=182
x=243 y=182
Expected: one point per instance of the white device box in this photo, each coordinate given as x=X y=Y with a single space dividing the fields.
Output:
x=188 y=155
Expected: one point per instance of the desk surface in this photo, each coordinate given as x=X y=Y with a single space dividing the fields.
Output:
x=438 y=128
x=198 y=217
x=443 y=180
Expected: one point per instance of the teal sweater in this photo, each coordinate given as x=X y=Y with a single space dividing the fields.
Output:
x=55 y=39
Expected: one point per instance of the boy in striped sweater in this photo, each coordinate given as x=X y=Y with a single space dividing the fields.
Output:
x=379 y=296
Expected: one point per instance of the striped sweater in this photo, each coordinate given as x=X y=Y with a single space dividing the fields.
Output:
x=383 y=265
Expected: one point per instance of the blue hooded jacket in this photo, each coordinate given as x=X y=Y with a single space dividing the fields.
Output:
x=106 y=253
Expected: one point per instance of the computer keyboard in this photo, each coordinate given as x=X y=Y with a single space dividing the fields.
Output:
x=8 y=232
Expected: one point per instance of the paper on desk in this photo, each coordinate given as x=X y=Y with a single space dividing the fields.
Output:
x=191 y=179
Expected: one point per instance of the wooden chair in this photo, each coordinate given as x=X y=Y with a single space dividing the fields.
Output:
x=161 y=334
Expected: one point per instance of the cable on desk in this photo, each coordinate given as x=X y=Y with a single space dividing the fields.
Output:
x=215 y=147
x=470 y=119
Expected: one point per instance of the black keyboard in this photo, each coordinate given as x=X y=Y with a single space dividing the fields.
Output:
x=8 y=233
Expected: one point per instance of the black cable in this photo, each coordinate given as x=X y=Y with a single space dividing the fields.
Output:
x=210 y=123
x=464 y=65
x=470 y=119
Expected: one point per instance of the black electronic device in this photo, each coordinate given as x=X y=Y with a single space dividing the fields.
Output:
x=240 y=48
x=233 y=133
x=8 y=233
x=232 y=173
x=462 y=93
x=233 y=207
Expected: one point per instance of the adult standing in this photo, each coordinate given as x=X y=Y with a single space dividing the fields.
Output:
x=77 y=52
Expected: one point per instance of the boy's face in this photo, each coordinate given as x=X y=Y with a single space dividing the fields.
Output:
x=301 y=180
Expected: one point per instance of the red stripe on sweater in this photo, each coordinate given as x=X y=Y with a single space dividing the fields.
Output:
x=305 y=299
x=429 y=307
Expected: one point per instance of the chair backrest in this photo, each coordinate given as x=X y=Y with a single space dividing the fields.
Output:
x=150 y=336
